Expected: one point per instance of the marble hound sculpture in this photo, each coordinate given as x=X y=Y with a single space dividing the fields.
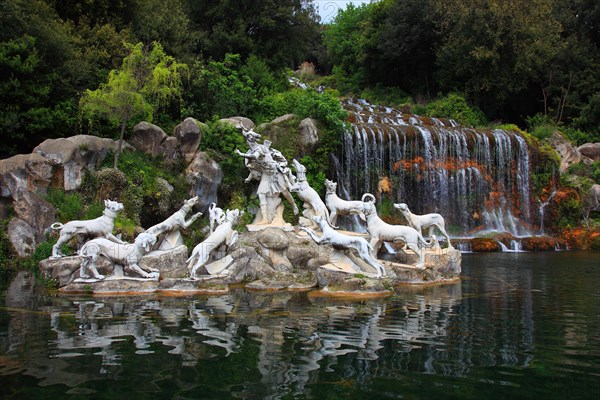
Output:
x=125 y=254
x=339 y=206
x=101 y=226
x=420 y=222
x=224 y=233
x=381 y=231
x=346 y=242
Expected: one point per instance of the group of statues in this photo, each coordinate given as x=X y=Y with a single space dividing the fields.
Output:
x=268 y=166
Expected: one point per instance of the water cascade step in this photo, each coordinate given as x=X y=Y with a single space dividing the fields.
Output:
x=477 y=179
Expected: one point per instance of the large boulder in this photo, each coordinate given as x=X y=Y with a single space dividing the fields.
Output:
x=308 y=132
x=22 y=237
x=76 y=154
x=35 y=211
x=148 y=138
x=239 y=122
x=169 y=149
x=205 y=175
x=569 y=155
x=189 y=134
x=170 y=263
x=27 y=171
x=590 y=150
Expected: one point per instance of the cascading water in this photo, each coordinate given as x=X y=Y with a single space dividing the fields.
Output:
x=478 y=180
x=542 y=209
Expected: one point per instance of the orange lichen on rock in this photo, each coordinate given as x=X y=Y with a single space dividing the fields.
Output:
x=384 y=185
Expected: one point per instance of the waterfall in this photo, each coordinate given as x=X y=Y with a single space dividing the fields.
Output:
x=542 y=209
x=478 y=180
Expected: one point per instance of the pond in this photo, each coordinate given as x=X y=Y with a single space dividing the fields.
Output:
x=518 y=325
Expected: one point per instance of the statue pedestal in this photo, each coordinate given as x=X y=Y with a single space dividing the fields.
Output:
x=259 y=227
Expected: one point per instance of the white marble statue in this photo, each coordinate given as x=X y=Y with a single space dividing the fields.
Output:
x=223 y=234
x=125 y=254
x=216 y=216
x=270 y=166
x=346 y=242
x=313 y=205
x=177 y=220
x=381 y=231
x=99 y=227
x=339 y=206
x=420 y=222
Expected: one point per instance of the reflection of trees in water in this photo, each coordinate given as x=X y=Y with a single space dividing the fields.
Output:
x=288 y=339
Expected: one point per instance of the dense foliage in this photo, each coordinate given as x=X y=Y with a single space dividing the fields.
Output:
x=511 y=60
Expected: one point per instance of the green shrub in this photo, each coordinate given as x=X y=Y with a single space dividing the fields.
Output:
x=5 y=246
x=69 y=206
x=455 y=107
x=389 y=95
x=595 y=243
x=579 y=137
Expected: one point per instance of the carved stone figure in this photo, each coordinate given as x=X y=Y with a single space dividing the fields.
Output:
x=124 y=254
x=338 y=206
x=381 y=231
x=223 y=234
x=420 y=222
x=101 y=226
x=216 y=216
x=177 y=220
x=275 y=177
x=313 y=205
x=341 y=241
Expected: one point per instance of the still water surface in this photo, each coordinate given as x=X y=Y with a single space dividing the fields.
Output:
x=519 y=325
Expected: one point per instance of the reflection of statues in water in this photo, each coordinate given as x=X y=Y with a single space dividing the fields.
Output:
x=270 y=166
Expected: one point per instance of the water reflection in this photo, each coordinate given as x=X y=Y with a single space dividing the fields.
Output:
x=271 y=345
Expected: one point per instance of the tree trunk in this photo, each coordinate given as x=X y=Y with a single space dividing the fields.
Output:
x=120 y=146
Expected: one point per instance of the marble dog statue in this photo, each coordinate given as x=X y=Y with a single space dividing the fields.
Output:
x=339 y=206
x=381 y=231
x=125 y=254
x=177 y=220
x=341 y=241
x=101 y=226
x=216 y=216
x=420 y=222
x=224 y=233
x=312 y=201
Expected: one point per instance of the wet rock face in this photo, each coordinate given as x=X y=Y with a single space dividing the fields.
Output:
x=539 y=243
x=485 y=245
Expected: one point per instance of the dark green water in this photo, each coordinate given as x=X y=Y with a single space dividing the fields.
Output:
x=519 y=325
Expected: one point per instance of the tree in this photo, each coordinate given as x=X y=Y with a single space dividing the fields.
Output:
x=280 y=31
x=492 y=50
x=343 y=39
x=149 y=80
x=399 y=45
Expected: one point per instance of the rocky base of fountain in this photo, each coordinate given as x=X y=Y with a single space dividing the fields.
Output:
x=268 y=260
